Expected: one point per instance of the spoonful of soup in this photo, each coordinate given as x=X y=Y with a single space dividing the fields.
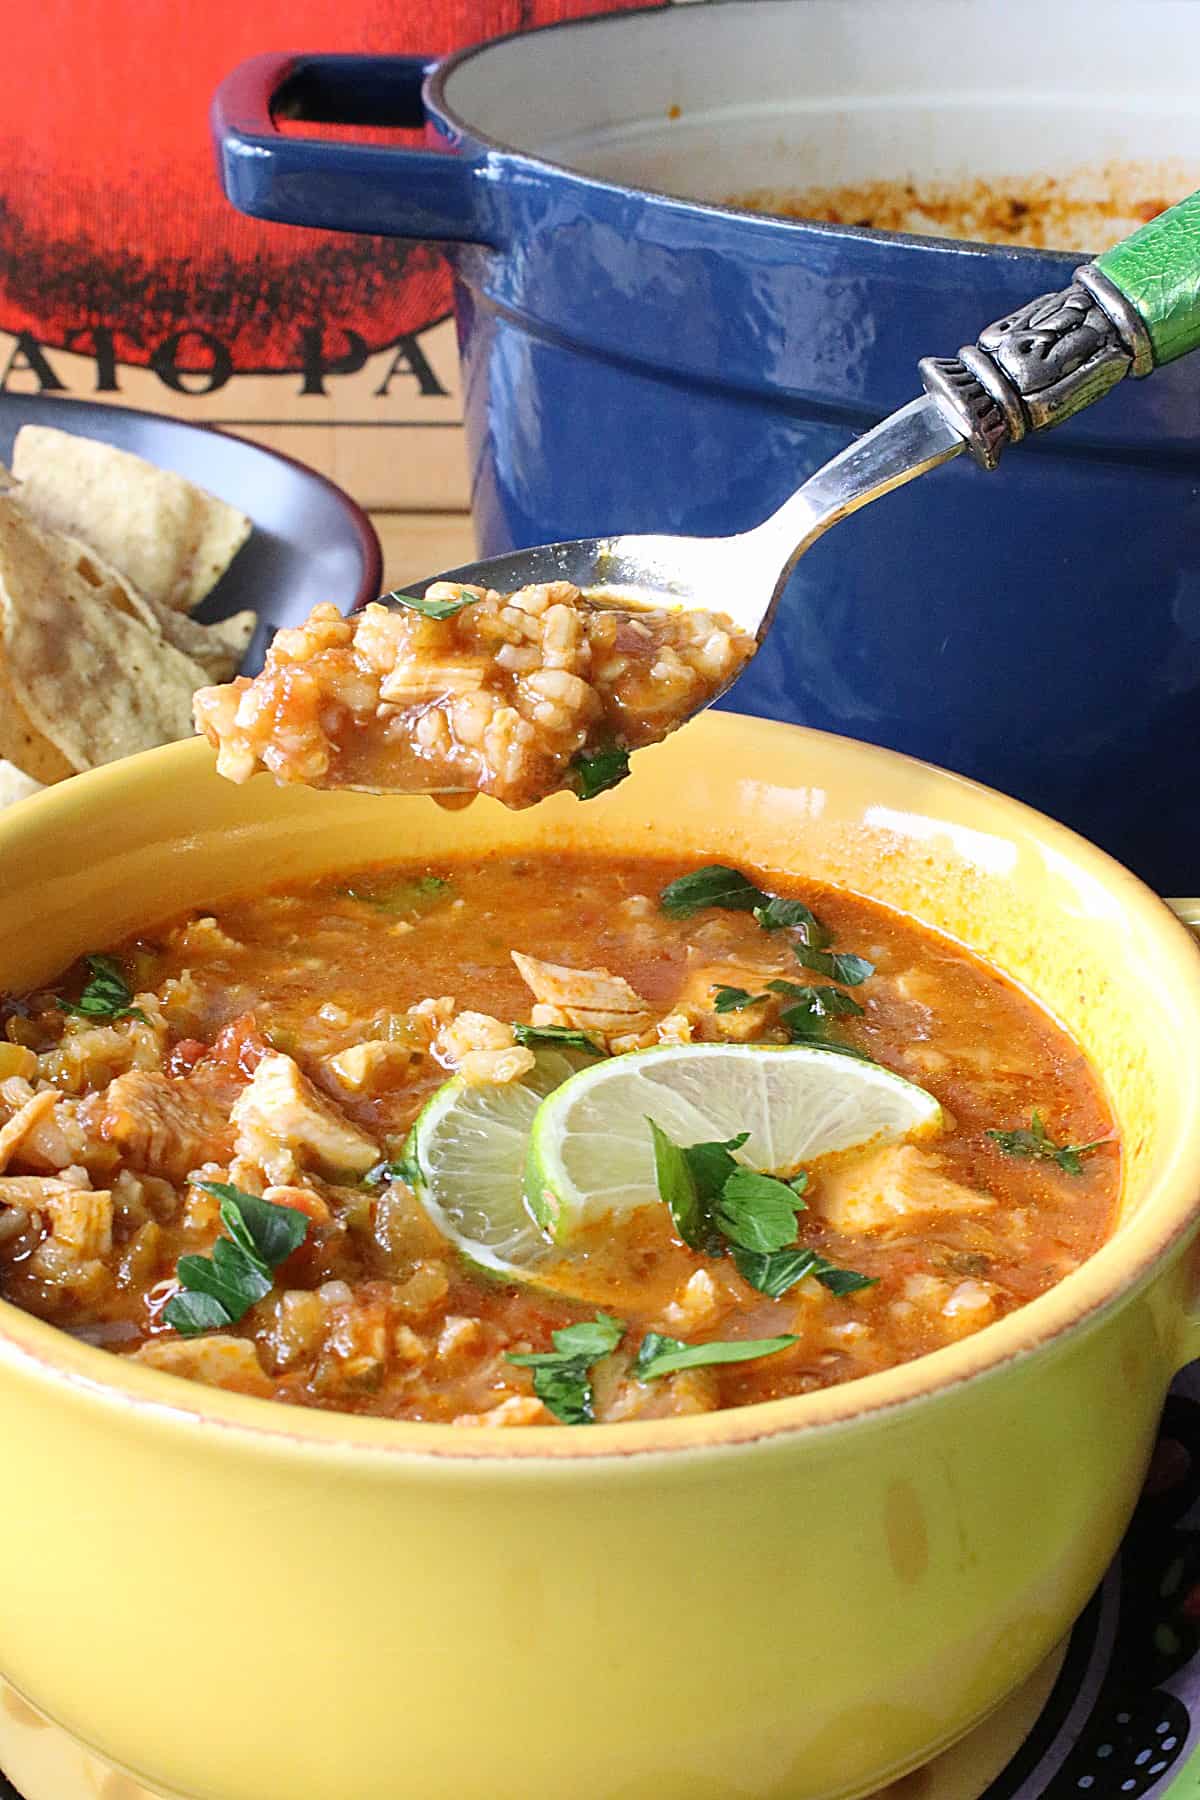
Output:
x=542 y=669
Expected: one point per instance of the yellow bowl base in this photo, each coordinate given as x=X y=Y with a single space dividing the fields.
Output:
x=44 y=1762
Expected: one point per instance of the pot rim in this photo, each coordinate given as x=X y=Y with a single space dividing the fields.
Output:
x=764 y=223
x=1113 y=1276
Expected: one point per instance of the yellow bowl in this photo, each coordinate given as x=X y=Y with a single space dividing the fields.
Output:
x=235 y=1601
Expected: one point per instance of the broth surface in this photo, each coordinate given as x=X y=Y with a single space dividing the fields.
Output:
x=351 y=1001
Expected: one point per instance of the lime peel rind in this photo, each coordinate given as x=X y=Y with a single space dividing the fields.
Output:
x=467 y=1147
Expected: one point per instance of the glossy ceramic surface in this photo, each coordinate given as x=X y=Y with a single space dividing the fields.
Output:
x=50 y=1766
x=902 y=1552
x=637 y=362
x=1109 y=1714
x=310 y=541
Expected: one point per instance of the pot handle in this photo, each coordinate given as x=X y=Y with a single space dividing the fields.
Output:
x=384 y=190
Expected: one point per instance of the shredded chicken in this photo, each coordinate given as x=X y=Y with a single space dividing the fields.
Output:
x=518 y=1409
x=217 y=1361
x=301 y=1199
x=57 y=1138
x=373 y=1066
x=482 y=1049
x=78 y=1218
x=427 y=1017
x=34 y=1111
x=675 y=1028
x=81 y=1220
x=283 y=1123
x=897 y=1185
x=972 y=1303
x=590 y=1000
x=357 y=1337
x=919 y=987
x=746 y=1025
x=697 y=1306
x=167 y=1126
x=675 y=1396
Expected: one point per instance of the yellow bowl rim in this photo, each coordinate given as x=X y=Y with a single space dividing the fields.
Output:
x=1116 y=1272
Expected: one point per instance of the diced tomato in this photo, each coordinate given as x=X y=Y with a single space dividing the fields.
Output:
x=183 y=1056
x=241 y=1045
x=302 y=1200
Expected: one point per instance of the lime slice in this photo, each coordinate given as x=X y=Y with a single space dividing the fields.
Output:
x=591 y=1153
x=468 y=1147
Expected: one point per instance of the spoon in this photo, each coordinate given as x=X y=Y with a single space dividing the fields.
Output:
x=1129 y=311
x=1132 y=309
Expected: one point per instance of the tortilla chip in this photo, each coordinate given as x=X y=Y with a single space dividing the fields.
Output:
x=21 y=743
x=90 y=678
x=108 y=583
x=15 y=784
x=219 y=648
x=168 y=537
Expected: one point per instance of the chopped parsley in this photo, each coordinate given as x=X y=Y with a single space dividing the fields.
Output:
x=690 y=1180
x=757 y=1212
x=1034 y=1141
x=677 y=1188
x=403 y=897
x=733 y=999
x=817 y=1002
x=107 y=994
x=717 y=1203
x=560 y=1035
x=562 y=1377
x=792 y=915
x=711 y=1165
x=432 y=609
x=842 y=1281
x=806 y=1019
x=774 y=1273
x=841 y=966
x=713 y=885
x=193 y=1312
x=813 y=1004
x=220 y=1289
x=401 y=1170
x=820 y=1042
x=593 y=773
x=661 y=1355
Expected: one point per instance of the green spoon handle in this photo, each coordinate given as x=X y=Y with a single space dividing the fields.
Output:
x=1157 y=270
x=1135 y=307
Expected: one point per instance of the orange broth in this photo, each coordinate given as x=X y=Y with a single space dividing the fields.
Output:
x=375 y=1313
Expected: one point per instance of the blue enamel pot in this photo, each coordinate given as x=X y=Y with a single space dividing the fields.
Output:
x=639 y=361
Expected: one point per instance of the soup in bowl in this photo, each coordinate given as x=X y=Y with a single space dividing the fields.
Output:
x=888 y=1502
